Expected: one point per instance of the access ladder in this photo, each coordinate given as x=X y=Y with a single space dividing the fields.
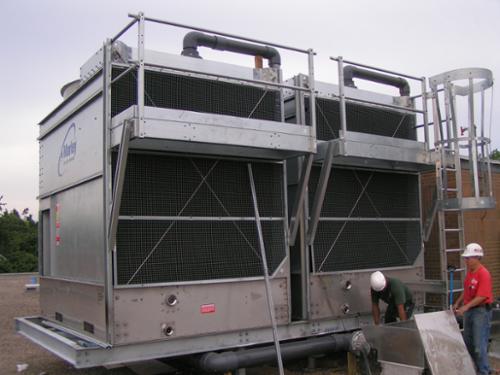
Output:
x=459 y=139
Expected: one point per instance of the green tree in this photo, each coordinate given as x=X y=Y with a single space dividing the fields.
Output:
x=495 y=154
x=18 y=242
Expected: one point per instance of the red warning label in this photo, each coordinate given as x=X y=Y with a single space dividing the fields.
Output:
x=208 y=308
x=58 y=224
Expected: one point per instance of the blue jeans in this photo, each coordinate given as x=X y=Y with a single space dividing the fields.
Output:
x=477 y=324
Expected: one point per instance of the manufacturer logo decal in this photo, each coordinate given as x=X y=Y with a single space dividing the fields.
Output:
x=68 y=149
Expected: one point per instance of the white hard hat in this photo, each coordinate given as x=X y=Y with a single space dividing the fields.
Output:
x=473 y=250
x=378 y=281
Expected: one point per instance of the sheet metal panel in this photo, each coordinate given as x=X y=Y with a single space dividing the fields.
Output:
x=397 y=343
x=355 y=144
x=76 y=302
x=77 y=229
x=329 y=295
x=180 y=125
x=443 y=343
x=143 y=314
x=71 y=153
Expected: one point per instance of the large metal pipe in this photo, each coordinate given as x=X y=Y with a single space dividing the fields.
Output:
x=351 y=72
x=195 y=39
x=231 y=360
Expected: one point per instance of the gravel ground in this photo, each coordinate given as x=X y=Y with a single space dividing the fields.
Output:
x=14 y=349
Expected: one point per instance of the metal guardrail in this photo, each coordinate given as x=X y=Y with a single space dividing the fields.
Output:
x=344 y=99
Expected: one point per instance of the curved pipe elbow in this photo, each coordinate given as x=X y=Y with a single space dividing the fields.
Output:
x=351 y=72
x=195 y=39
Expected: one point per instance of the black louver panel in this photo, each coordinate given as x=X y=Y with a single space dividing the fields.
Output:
x=185 y=219
x=195 y=250
x=383 y=229
x=164 y=185
x=386 y=194
x=173 y=91
x=362 y=119
x=365 y=244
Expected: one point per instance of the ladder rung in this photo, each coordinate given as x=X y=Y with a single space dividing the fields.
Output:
x=449 y=169
x=453 y=250
x=456 y=270
x=452 y=230
x=455 y=290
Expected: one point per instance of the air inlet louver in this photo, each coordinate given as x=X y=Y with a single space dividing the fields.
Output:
x=369 y=219
x=165 y=90
x=185 y=219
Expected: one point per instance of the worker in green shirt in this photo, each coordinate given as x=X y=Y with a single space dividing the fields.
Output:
x=393 y=292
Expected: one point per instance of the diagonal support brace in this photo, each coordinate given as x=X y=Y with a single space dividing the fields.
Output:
x=298 y=205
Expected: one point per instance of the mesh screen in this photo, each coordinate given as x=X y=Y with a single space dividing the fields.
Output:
x=363 y=119
x=391 y=194
x=162 y=185
x=197 y=250
x=351 y=245
x=365 y=244
x=158 y=185
x=166 y=90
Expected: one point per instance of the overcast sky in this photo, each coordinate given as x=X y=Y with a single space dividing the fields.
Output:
x=44 y=43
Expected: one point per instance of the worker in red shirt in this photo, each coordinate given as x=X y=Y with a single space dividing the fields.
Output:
x=475 y=305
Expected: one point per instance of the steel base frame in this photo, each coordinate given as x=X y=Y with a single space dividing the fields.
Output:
x=80 y=352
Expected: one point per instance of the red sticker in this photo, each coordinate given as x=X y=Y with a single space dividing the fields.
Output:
x=207 y=309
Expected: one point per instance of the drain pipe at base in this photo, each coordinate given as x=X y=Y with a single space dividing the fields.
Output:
x=232 y=360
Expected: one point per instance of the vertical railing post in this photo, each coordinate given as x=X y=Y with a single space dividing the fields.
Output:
x=473 y=140
x=343 y=120
x=140 y=74
x=425 y=115
x=312 y=94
